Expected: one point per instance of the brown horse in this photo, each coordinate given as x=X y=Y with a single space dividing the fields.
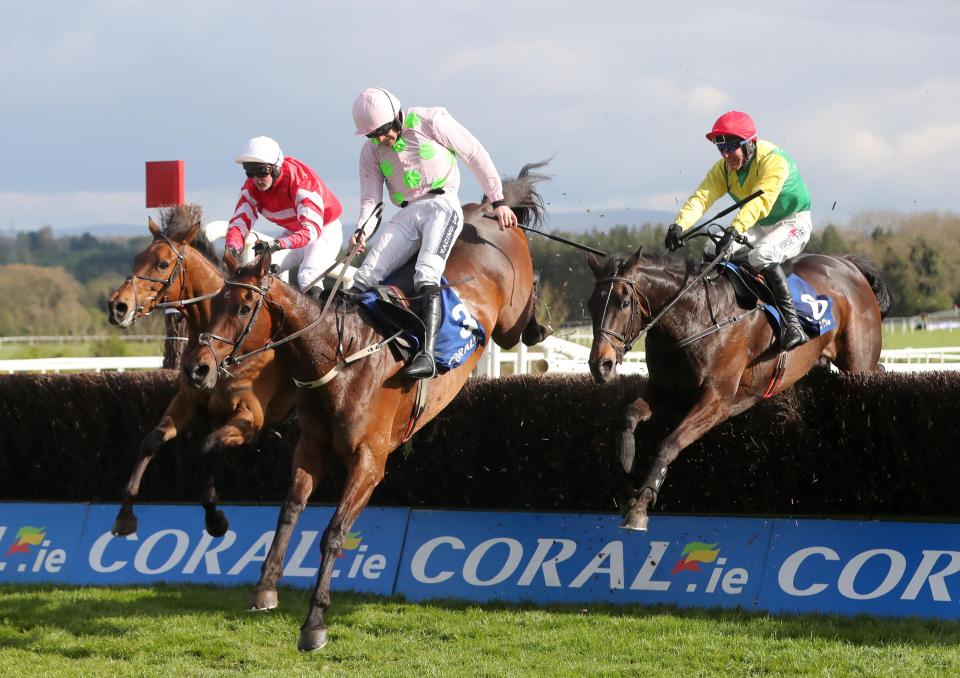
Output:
x=363 y=414
x=710 y=357
x=180 y=269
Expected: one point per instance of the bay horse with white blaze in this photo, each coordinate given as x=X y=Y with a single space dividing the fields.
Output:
x=709 y=356
x=180 y=269
x=363 y=414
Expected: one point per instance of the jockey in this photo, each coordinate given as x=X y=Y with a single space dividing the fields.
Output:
x=415 y=154
x=776 y=225
x=290 y=194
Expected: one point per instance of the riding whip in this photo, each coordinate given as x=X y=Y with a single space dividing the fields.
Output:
x=586 y=248
x=722 y=213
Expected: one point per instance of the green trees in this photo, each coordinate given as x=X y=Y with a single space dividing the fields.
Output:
x=919 y=253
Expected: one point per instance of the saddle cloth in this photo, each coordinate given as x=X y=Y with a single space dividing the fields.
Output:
x=392 y=310
x=815 y=311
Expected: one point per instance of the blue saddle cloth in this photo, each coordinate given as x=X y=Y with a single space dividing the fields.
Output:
x=459 y=333
x=815 y=311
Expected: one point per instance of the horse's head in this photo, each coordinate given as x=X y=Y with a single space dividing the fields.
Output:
x=239 y=322
x=159 y=274
x=616 y=311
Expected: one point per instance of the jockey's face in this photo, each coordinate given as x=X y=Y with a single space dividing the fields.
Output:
x=734 y=159
x=263 y=183
x=386 y=133
x=733 y=151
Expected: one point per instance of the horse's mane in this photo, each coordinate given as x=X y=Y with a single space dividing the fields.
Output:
x=614 y=264
x=521 y=194
x=176 y=222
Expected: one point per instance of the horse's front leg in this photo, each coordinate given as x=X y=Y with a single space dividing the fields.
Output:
x=310 y=463
x=364 y=472
x=637 y=411
x=709 y=410
x=177 y=417
x=242 y=428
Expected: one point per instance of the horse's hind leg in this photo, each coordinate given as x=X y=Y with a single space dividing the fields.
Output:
x=709 y=410
x=364 y=473
x=310 y=464
x=858 y=348
x=175 y=419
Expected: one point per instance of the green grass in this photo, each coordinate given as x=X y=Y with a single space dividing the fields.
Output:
x=204 y=631
x=112 y=347
x=922 y=339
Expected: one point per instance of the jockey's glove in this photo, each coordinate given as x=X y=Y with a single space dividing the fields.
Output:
x=725 y=241
x=673 y=242
x=266 y=247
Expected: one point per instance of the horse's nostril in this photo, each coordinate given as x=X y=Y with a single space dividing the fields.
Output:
x=606 y=366
x=197 y=372
x=120 y=308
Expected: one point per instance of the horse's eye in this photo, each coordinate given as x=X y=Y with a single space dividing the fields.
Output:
x=244 y=310
x=625 y=302
x=163 y=265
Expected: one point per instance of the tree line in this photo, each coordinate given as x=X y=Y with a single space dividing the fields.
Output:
x=918 y=253
x=59 y=285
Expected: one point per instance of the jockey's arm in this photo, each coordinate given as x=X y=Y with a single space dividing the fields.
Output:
x=708 y=192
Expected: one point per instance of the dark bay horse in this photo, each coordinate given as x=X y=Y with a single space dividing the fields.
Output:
x=694 y=386
x=363 y=414
x=180 y=269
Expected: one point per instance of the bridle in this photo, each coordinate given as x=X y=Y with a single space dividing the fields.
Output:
x=635 y=328
x=164 y=284
x=206 y=338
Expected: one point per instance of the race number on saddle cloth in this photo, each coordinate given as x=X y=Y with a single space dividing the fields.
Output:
x=458 y=336
x=815 y=311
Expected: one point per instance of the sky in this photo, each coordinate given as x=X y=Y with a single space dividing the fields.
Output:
x=864 y=94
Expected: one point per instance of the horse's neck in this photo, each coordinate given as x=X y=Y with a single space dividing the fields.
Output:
x=291 y=314
x=202 y=278
x=693 y=310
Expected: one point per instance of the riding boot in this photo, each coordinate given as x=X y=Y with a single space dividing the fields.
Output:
x=793 y=334
x=314 y=292
x=423 y=365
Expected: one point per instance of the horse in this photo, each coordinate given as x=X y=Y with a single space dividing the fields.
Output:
x=364 y=413
x=711 y=357
x=180 y=269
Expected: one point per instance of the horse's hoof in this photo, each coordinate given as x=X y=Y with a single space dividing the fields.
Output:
x=261 y=601
x=638 y=523
x=217 y=525
x=312 y=639
x=125 y=525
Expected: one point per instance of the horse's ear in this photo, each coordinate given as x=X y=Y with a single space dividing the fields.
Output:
x=595 y=264
x=230 y=260
x=263 y=263
x=192 y=233
x=633 y=261
x=152 y=225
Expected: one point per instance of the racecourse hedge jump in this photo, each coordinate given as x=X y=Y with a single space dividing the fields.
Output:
x=854 y=445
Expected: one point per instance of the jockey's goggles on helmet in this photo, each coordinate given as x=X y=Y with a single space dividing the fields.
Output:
x=256 y=169
x=727 y=143
x=381 y=130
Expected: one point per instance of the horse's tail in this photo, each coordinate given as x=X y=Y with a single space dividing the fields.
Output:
x=877 y=282
x=521 y=194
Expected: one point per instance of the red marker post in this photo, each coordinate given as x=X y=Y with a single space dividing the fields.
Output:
x=164 y=183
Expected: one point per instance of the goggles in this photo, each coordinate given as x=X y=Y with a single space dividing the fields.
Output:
x=256 y=169
x=727 y=143
x=381 y=130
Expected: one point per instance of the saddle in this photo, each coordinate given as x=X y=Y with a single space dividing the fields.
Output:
x=813 y=310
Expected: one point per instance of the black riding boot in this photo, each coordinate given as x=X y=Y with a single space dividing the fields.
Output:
x=423 y=366
x=793 y=334
x=314 y=292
